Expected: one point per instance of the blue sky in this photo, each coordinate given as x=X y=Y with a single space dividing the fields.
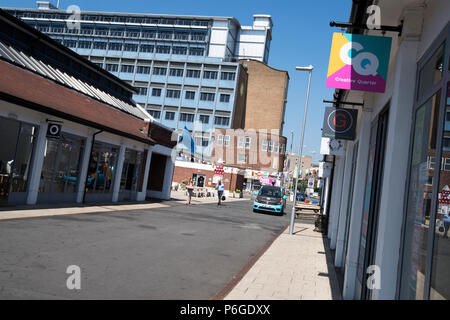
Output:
x=301 y=36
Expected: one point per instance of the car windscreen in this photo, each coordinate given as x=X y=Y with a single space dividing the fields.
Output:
x=272 y=192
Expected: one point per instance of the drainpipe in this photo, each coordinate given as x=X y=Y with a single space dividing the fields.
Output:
x=89 y=164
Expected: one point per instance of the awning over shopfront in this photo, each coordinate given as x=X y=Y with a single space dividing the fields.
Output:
x=25 y=88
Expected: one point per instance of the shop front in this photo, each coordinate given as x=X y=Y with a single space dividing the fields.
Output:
x=16 y=154
x=70 y=136
x=60 y=174
x=131 y=170
x=426 y=248
x=390 y=197
x=101 y=172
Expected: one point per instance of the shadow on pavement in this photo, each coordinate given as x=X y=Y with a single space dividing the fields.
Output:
x=81 y=205
x=333 y=277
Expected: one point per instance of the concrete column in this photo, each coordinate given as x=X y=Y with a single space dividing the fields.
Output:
x=143 y=194
x=84 y=169
x=351 y=261
x=167 y=185
x=36 y=165
x=336 y=200
x=340 y=238
x=390 y=218
x=118 y=174
x=333 y=197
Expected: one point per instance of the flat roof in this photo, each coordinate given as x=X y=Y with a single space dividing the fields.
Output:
x=135 y=14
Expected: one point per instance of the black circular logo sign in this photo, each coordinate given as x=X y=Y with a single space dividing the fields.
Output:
x=340 y=121
x=54 y=130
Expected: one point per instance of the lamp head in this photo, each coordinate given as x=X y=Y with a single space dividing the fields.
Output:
x=308 y=68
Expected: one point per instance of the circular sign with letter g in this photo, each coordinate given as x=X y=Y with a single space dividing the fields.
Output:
x=340 y=121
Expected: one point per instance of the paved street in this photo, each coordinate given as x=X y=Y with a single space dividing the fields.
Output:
x=171 y=251
x=295 y=267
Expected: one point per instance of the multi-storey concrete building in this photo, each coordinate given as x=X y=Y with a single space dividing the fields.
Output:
x=185 y=68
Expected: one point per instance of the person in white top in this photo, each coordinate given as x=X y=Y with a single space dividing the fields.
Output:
x=220 y=189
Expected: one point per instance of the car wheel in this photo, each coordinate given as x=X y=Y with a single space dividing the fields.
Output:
x=255 y=211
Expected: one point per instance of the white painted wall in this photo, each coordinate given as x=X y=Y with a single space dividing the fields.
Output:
x=390 y=219
x=340 y=236
x=351 y=261
x=336 y=200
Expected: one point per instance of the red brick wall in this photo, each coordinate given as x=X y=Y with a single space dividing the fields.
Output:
x=235 y=181
x=256 y=158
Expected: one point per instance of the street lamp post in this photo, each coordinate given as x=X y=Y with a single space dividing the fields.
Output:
x=290 y=159
x=309 y=69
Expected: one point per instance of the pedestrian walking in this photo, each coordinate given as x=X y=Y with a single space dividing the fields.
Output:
x=220 y=189
x=446 y=224
x=190 y=191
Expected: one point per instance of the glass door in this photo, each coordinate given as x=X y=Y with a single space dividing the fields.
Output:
x=440 y=272
x=424 y=272
x=9 y=131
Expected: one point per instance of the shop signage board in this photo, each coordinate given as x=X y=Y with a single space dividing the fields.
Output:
x=359 y=62
x=269 y=181
x=332 y=147
x=219 y=170
x=324 y=169
x=54 y=130
x=339 y=123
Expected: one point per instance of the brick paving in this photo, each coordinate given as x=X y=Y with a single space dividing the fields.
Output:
x=297 y=267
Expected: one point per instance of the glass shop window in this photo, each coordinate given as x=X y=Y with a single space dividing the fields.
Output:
x=62 y=163
x=102 y=168
x=131 y=169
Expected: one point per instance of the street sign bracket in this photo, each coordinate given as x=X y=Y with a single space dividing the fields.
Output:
x=337 y=103
x=383 y=28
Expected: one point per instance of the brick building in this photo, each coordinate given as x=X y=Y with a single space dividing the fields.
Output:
x=292 y=164
x=203 y=175
x=260 y=153
x=267 y=90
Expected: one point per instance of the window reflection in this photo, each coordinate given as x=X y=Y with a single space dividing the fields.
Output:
x=420 y=191
x=432 y=71
x=131 y=170
x=102 y=168
x=62 y=161
x=16 y=151
x=440 y=276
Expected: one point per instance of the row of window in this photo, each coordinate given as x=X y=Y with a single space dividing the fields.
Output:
x=111 y=18
x=189 y=95
x=121 y=32
x=245 y=143
x=189 y=117
x=133 y=47
x=173 y=72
